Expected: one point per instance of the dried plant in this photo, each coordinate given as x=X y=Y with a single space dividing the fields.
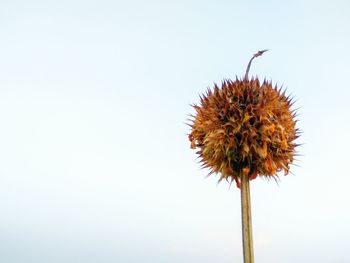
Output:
x=244 y=126
x=241 y=130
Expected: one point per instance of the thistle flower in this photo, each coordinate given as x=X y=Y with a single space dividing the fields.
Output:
x=244 y=127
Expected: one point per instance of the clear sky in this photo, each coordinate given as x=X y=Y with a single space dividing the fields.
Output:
x=95 y=164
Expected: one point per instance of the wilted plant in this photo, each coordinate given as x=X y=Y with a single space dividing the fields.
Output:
x=242 y=130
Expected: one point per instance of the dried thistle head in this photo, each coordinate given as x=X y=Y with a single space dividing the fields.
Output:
x=244 y=127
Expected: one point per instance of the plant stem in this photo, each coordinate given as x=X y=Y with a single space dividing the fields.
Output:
x=247 y=236
x=257 y=54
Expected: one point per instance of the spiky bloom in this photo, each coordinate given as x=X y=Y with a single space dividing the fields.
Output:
x=244 y=127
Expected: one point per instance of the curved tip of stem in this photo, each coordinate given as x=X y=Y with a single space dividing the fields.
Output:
x=257 y=54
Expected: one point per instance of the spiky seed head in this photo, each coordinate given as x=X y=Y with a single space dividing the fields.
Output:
x=244 y=127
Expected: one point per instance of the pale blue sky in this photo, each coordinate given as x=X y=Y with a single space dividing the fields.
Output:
x=95 y=165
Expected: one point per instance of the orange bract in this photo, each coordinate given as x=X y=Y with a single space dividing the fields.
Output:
x=244 y=127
